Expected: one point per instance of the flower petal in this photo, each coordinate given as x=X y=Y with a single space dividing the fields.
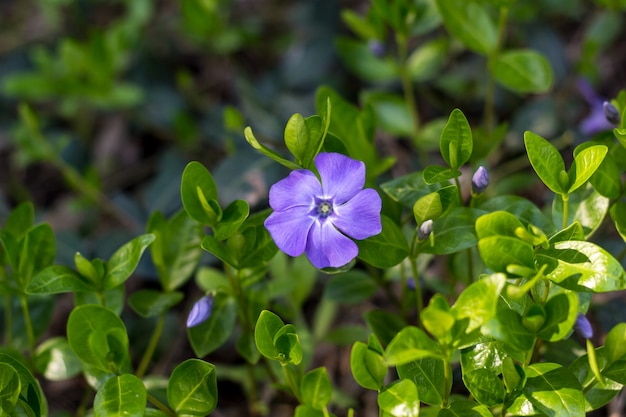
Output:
x=326 y=246
x=298 y=189
x=290 y=229
x=359 y=218
x=342 y=177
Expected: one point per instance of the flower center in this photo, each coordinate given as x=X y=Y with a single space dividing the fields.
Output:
x=324 y=208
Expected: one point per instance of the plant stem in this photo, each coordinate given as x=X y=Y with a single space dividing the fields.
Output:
x=29 y=325
x=447 y=374
x=158 y=404
x=458 y=188
x=489 y=110
x=419 y=302
x=291 y=382
x=565 y=198
x=152 y=345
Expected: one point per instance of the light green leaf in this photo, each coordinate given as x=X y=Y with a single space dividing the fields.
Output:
x=523 y=71
x=368 y=366
x=456 y=140
x=400 y=399
x=586 y=162
x=192 y=388
x=10 y=387
x=123 y=262
x=315 y=388
x=479 y=300
x=546 y=161
x=56 y=361
x=410 y=344
x=429 y=376
x=470 y=23
x=121 y=396
x=57 y=279
x=265 y=151
x=267 y=326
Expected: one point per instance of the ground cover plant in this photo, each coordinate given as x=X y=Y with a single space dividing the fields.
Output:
x=360 y=208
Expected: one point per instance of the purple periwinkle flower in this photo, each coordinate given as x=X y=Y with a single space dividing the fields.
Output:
x=425 y=229
x=596 y=121
x=319 y=216
x=611 y=113
x=201 y=311
x=376 y=47
x=583 y=327
x=480 y=180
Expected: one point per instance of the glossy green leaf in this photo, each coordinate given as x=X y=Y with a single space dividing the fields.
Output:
x=267 y=326
x=452 y=232
x=434 y=174
x=297 y=139
x=586 y=162
x=429 y=376
x=57 y=279
x=288 y=345
x=485 y=386
x=561 y=312
x=192 y=388
x=465 y=408
x=410 y=344
x=199 y=194
x=121 y=396
x=408 y=189
x=606 y=179
x=32 y=401
x=152 y=303
x=456 y=140
x=498 y=223
x=368 y=366
x=470 y=23
x=550 y=389
x=265 y=151
x=176 y=249
x=215 y=247
x=581 y=265
x=479 y=300
x=523 y=71
x=10 y=388
x=86 y=268
x=433 y=205
x=400 y=399
x=618 y=215
x=615 y=343
x=98 y=337
x=215 y=331
x=38 y=249
x=123 y=262
x=386 y=249
x=437 y=319
x=596 y=394
x=572 y=232
x=546 y=161
x=232 y=218
x=498 y=252
x=521 y=208
x=315 y=388
x=56 y=361
x=507 y=328
x=350 y=287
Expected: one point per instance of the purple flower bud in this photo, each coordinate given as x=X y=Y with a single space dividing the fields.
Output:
x=410 y=283
x=425 y=229
x=611 y=113
x=480 y=180
x=201 y=311
x=583 y=327
x=377 y=48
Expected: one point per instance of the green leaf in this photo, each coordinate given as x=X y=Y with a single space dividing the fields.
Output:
x=485 y=386
x=267 y=326
x=176 y=249
x=252 y=245
x=98 y=337
x=546 y=161
x=479 y=300
x=56 y=361
x=456 y=140
x=429 y=376
x=215 y=247
x=572 y=232
x=434 y=174
x=606 y=179
x=586 y=162
x=152 y=303
x=470 y=23
x=615 y=343
x=433 y=205
x=426 y=61
x=315 y=388
x=392 y=113
x=233 y=217
x=498 y=223
x=350 y=287
x=384 y=324
x=550 y=389
x=385 y=249
x=57 y=279
x=521 y=208
x=10 y=387
x=20 y=220
x=359 y=59
x=297 y=139
x=507 y=328
x=561 y=312
x=437 y=319
x=86 y=268
x=121 y=396
x=523 y=71
x=498 y=252
x=596 y=394
x=400 y=399
x=124 y=261
x=452 y=232
x=192 y=388
x=265 y=151
x=410 y=344
x=585 y=206
x=288 y=345
x=408 y=189
x=199 y=194
x=37 y=251
x=215 y=331
x=618 y=215
x=582 y=266
x=368 y=366
x=32 y=400
x=465 y=408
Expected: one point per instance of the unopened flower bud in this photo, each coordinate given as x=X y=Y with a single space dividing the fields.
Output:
x=201 y=311
x=583 y=327
x=425 y=229
x=377 y=48
x=480 y=180
x=611 y=113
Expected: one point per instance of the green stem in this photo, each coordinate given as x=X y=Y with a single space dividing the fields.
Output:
x=489 y=110
x=565 y=198
x=458 y=188
x=152 y=345
x=447 y=375
x=291 y=383
x=158 y=404
x=419 y=301
x=29 y=325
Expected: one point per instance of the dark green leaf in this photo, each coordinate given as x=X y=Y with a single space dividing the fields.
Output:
x=121 y=396
x=434 y=174
x=507 y=328
x=233 y=217
x=213 y=332
x=410 y=344
x=524 y=210
x=38 y=249
x=192 y=388
x=57 y=279
x=387 y=248
x=470 y=23
x=408 y=189
x=465 y=408
x=384 y=324
x=10 y=387
x=523 y=71
x=32 y=398
x=561 y=311
x=123 y=262
x=350 y=287
x=453 y=232
x=152 y=303
x=20 y=220
x=199 y=194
